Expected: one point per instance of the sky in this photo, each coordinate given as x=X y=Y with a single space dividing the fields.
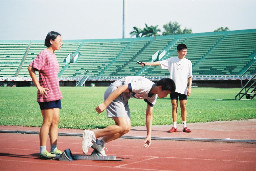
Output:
x=103 y=19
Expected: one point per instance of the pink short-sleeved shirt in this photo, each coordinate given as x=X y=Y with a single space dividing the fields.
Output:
x=48 y=67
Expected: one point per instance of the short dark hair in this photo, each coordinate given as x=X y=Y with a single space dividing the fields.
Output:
x=167 y=84
x=181 y=47
x=52 y=35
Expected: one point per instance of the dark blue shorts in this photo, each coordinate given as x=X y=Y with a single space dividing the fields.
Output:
x=50 y=105
x=178 y=96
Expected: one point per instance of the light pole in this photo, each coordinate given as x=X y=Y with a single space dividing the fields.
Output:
x=123 y=17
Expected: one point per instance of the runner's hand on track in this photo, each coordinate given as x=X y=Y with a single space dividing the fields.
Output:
x=147 y=142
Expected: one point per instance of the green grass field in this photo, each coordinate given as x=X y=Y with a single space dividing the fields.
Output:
x=18 y=106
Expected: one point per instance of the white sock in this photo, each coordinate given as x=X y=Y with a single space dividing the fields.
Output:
x=175 y=124
x=93 y=136
x=184 y=124
x=42 y=149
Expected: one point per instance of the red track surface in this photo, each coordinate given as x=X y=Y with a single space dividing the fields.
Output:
x=20 y=151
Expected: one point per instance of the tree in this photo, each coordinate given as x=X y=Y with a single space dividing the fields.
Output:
x=175 y=28
x=221 y=29
x=136 y=32
x=150 y=31
x=187 y=31
x=169 y=29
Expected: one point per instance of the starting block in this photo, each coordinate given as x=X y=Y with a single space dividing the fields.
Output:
x=68 y=156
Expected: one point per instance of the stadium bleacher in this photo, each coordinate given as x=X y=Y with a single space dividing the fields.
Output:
x=145 y=55
x=216 y=53
x=33 y=51
x=11 y=54
x=94 y=57
x=37 y=46
x=131 y=50
x=230 y=56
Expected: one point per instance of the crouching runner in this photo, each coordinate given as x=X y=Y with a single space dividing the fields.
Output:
x=116 y=104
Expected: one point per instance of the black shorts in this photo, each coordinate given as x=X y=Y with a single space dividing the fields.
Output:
x=178 y=96
x=50 y=105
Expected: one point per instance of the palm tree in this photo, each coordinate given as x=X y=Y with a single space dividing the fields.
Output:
x=174 y=28
x=150 y=31
x=136 y=32
x=221 y=29
x=171 y=28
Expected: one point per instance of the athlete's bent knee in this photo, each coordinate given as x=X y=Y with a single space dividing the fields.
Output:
x=125 y=129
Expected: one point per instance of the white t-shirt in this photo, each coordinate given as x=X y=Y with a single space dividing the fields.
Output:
x=180 y=70
x=139 y=87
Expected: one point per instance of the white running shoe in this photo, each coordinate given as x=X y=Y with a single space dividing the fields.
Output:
x=88 y=140
x=99 y=148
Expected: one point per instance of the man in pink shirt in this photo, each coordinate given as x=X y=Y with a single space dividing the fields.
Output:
x=48 y=94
